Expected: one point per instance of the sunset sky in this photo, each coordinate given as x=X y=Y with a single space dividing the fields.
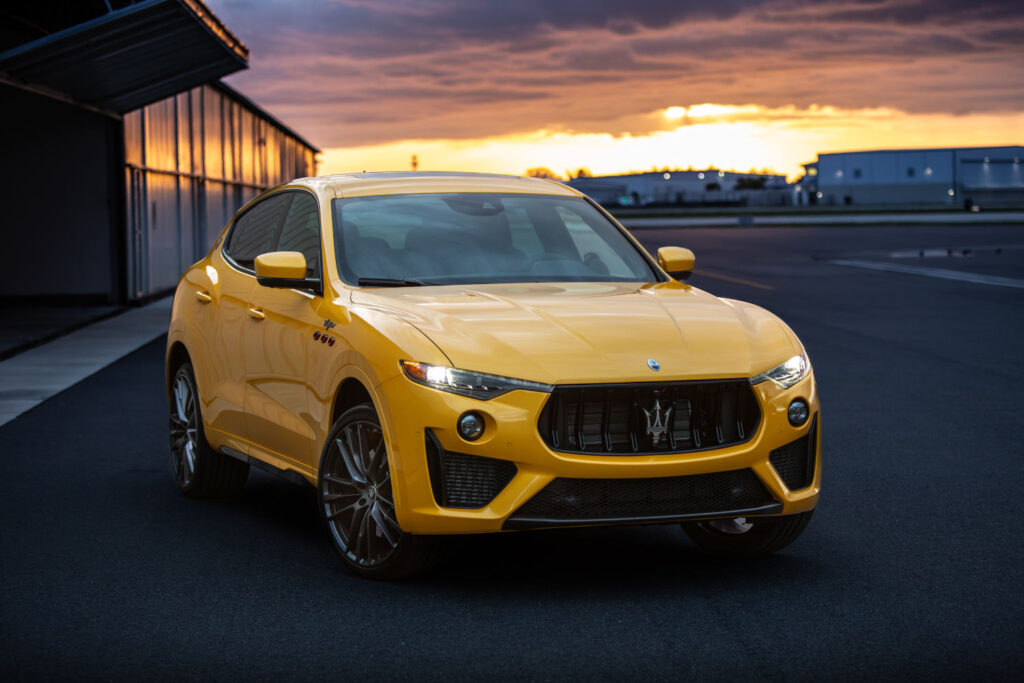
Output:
x=619 y=85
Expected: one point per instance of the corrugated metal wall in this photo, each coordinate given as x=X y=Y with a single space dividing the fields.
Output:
x=190 y=162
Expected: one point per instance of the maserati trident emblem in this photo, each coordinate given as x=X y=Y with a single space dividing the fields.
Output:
x=657 y=421
x=653 y=364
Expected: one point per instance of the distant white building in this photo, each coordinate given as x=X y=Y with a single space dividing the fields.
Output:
x=709 y=187
x=957 y=176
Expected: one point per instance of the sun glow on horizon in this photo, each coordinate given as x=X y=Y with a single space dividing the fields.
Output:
x=674 y=113
x=700 y=136
x=715 y=111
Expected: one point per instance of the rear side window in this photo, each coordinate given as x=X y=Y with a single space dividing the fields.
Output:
x=301 y=231
x=257 y=230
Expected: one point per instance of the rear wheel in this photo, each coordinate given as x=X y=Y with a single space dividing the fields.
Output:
x=199 y=471
x=747 y=536
x=357 y=504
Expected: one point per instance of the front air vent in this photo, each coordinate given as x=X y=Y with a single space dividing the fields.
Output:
x=465 y=481
x=794 y=462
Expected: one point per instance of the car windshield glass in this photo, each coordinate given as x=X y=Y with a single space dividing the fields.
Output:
x=475 y=238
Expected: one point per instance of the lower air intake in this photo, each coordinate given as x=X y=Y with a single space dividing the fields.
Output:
x=465 y=481
x=611 y=501
x=794 y=462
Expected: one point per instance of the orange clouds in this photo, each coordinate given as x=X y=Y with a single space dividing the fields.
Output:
x=353 y=74
x=733 y=137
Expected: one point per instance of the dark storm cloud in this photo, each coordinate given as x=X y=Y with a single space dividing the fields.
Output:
x=382 y=29
x=371 y=71
x=1006 y=36
x=909 y=12
x=614 y=59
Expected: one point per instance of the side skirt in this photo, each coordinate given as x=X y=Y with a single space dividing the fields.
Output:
x=290 y=476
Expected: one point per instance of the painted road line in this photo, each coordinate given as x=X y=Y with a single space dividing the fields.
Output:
x=730 y=278
x=943 y=273
x=28 y=379
x=839 y=218
x=948 y=252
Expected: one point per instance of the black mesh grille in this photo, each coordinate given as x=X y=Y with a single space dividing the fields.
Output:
x=465 y=481
x=607 y=500
x=794 y=462
x=634 y=419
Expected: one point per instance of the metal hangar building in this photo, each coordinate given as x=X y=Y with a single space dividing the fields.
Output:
x=959 y=177
x=123 y=155
x=708 y=187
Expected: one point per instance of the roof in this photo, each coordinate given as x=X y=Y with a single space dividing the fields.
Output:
x=416 y=182
x=697 y=174
x=923 y=149
x=129 y=57
x=262 y=113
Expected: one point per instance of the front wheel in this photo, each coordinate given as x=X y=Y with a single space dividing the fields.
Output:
x=357 y=504
x=747 y=536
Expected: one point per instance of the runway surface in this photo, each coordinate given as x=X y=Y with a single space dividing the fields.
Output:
x=912 y=567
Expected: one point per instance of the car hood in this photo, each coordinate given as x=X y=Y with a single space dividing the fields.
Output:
x=590 y=332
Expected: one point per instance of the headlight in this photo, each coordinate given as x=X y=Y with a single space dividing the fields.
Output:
x=787 y=374
x=466 y=382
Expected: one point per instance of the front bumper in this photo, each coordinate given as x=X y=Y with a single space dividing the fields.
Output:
x=411 y=412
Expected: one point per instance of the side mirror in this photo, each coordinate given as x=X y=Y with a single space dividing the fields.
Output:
x=676 y=261
x=284 y=269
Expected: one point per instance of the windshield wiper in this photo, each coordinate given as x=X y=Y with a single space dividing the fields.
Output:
x=389 y=282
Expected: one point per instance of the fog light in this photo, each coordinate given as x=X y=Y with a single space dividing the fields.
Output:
x=798 y=412
x=471 y=426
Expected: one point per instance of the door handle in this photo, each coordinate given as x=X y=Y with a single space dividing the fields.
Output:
x=203 y=296
x=257 y=313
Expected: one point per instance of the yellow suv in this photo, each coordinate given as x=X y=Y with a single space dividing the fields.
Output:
x=445 y=353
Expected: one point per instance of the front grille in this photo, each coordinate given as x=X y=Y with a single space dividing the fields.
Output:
x=641 y=419
x=465 y=481
x=603 y=501
x=794 y=462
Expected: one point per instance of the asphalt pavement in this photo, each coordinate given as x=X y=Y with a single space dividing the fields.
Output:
x=912 y=567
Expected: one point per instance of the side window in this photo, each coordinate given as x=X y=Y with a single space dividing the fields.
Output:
x=301 y=232
x=256 y=231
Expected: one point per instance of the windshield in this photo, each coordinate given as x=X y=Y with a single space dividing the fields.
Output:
x=475 y=238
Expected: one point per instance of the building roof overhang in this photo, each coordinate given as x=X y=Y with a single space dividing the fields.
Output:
x=129 y=57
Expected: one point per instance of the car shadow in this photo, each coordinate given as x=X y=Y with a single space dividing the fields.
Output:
x=613 y=560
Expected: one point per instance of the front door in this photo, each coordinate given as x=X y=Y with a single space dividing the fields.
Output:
x=231 y=278
x=278 y=418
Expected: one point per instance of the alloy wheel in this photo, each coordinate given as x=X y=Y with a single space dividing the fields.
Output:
x=184 y=430
x=356 y=494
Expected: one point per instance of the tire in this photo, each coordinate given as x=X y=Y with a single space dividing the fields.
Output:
x=357 y=506
x=199 y=471
x=747 y=537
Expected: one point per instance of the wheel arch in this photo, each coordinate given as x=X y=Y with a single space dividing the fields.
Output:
x=350 y=393
x=177 y=355
x=355 y=388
